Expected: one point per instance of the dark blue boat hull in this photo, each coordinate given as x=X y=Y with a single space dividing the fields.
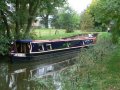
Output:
x=53 y=55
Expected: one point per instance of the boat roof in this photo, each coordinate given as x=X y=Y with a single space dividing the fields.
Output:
x=66 y=39
x=55 y=40
x=24 y=41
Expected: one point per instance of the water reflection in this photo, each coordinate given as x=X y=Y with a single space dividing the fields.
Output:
x=22 y=76
x=3 y=76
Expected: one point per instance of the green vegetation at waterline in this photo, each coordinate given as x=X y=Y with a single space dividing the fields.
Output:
x=96 y=68
x=4 y=45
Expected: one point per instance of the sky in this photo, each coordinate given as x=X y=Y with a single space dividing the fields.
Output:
x=79 y=5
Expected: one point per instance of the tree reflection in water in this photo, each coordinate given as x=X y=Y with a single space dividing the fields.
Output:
x=32 y=76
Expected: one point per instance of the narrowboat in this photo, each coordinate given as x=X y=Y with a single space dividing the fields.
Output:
x=31 y=50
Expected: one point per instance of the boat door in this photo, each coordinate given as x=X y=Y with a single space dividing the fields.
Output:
x=22 y=47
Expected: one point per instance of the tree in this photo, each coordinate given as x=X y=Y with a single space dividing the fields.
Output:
x=48 y=8
x=3 y=20
x=19 y=14
x=107 y=12
x=66 y=19
x=86 y=21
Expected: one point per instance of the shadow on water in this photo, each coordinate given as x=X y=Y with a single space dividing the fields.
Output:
x=21 y=76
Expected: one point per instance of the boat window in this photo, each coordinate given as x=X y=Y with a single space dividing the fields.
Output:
x=75 y=43
x=91 y=41
x=68 y=44
x=49 y=47
x=41 y=47
x=65 y=45
x=22 y=47
x=88 y=42
x=83 y=42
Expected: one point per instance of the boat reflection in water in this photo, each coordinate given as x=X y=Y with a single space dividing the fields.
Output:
x=25 y=78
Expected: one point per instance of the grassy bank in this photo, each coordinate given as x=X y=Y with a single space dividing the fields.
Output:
x=97 y=68
x=54 y=33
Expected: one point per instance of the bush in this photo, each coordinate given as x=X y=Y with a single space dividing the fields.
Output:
x=86 y=22
x=4 y=45
x=88 y=72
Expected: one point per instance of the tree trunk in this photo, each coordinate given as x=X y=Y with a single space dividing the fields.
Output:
x=17 y=31
x=6 y=23
x=46 y=21
x=32 y=11
x=28 y=26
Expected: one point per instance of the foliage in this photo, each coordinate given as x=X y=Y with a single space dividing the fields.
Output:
x=107 y=12
x=94 y=68
x=66 y=19
x=49 y=8
x=18 y=15
x=4 y=45
x=3 y=20
x=2 y=27
x=86 y=21
x=43 y=83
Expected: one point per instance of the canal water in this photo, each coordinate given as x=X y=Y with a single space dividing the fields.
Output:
x=32 y=75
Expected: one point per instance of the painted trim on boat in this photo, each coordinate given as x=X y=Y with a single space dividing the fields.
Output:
x=62 y=49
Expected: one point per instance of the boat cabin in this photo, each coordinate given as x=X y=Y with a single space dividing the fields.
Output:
x=21 y=46
x=37 y=46
x=23 y=50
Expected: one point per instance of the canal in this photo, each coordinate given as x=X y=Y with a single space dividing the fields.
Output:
x=32 y=75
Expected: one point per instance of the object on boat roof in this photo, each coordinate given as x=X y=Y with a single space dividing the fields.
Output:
x=24 y=41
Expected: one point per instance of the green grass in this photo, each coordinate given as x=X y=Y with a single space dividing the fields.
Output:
x=97 y=68
x=114 y=63
x=112 y=77
x=54 y=33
